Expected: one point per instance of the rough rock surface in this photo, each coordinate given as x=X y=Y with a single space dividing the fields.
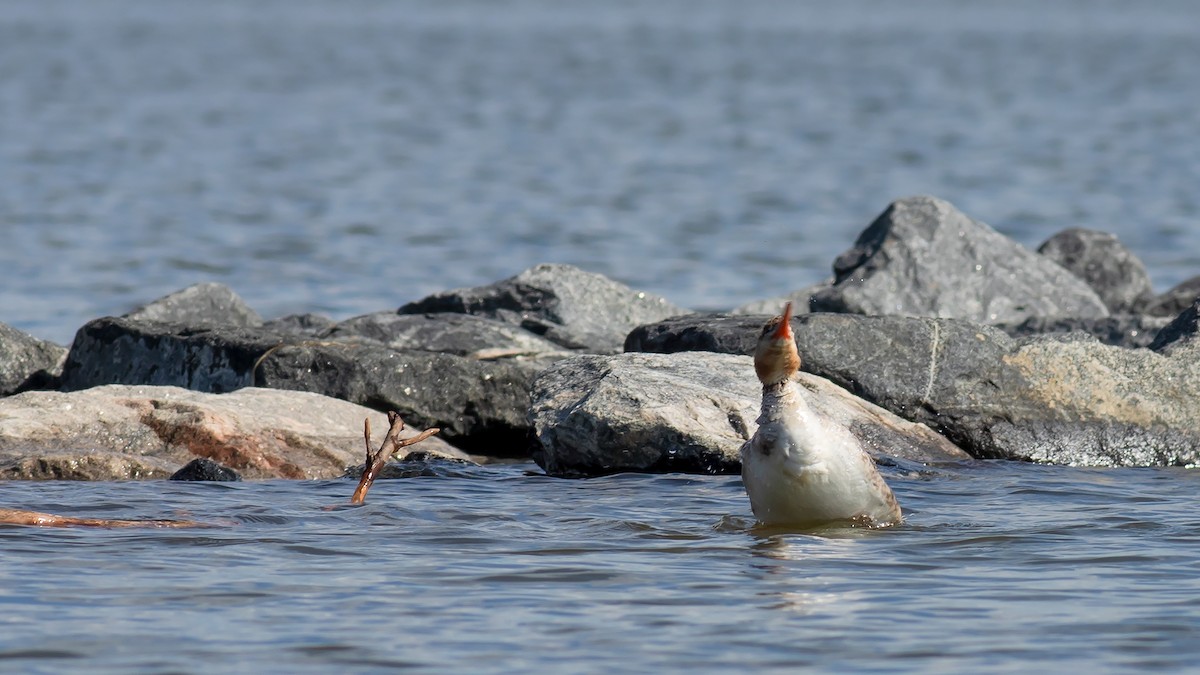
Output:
x=800 y=300
x=570 y=307
x=207 y=304
x=479 y=404
x=120 y=432
x=924 y=257
x=461 y=334
x=1176 y=300
x=1125 y=330
x=685 y=412
x=1101 y=260
x=1066 y=401
x=27 y=362
x=306 y=325
x=1181 y=334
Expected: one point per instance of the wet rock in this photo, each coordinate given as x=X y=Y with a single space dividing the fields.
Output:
x=1064 y=401
x=27 y=362
x=570 y=307
x=306 y=325
x=479 y=404
x=596 y=415
x=206 y=304
x=1176 y=300
x=461 y=334
x=1108 y=267
x=924 y=257
x=1126 y=330
x=204 y=469
x=120 y=432
x=128 y=351
x=1180 y=335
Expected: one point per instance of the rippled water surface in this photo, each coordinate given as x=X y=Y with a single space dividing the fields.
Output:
x=346 y=157
x=1000 y=567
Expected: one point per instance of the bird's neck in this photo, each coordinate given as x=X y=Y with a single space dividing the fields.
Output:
x=780 y=398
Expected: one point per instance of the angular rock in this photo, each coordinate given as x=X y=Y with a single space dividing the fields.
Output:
x=1063 y=401
x=1176 y=300
x=1126 y=330
x=924 y=257
x=480 y=405
x=206 y=304
x=1180 y=335
x=129 y=351
x=206 y=470
x=721 y=333
x=300 y=325
x=27 y=362
x=597 y=415
x=120 y=432
x=1108 y=267
x=570 y=307
x=461 y=334
x=800 y=300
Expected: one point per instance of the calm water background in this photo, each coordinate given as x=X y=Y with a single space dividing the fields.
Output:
x=347 y=157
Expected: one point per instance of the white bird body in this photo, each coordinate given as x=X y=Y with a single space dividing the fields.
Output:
x=800 y=468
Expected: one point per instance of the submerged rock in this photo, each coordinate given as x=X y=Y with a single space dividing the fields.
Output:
x=121 y=432
x=27 y=362
x=595 y=415
x=924 y=257
x=203 y=469
x=570 y=307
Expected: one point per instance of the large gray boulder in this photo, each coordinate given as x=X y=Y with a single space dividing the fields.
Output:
x=120 y=432
x=924 y=257
x=596 y=415
x=1108 y=267
x=1068 y=400
x=461 y=334
x=27 y=362
x=205 y=304
x=570 y=307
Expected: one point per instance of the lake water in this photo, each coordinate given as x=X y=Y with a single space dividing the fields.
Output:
x=348 y=157
x=1000 y=567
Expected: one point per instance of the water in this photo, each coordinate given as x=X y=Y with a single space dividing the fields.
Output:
x=1000 y=567
x=346 y=157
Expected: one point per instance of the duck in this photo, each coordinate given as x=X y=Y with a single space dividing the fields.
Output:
x=802 y=469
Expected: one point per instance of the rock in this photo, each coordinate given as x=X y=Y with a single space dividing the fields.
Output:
x=1179 y=335
x=1176 y=300
x=207 y=304
x=800 y=300
x=721 y=333
x=461 y=334
x=1108 y=267
x=204 y=469
x=480 y=405
x=300 y=325
x=924 y=257
x=570 y=307
x=27 y=362
x=121 y=432
x=1063 y=401
x=129 y=351
x=1126 y=330
x=595 y=415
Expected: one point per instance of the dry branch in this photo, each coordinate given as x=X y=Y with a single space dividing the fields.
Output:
x=392 y=443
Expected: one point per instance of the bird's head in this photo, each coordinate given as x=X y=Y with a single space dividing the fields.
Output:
x=776 y=359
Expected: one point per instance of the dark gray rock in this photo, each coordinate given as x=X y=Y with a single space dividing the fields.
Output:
x=570 y=307
x=480 y=405
x=207 y=304
x=27 y=362
x=1176 y=300
x=721 y=333
x=924 y=257
x=306 y=325
x=596 y=415
x=1065 y=401
x=1127 y=330
x=1101 y=260
x=461 y=334
x=1180 y=334
x=127 y=351
x=204 y=469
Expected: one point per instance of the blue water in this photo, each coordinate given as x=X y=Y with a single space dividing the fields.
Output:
x=347 y=157
x=1000 y=567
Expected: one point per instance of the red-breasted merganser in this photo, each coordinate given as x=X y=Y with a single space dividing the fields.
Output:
x=801 y=469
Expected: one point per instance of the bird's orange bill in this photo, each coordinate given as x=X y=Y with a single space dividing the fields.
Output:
x=784 y=330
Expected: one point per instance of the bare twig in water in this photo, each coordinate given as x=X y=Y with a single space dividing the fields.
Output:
x=15 y=517
x=392 y=443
